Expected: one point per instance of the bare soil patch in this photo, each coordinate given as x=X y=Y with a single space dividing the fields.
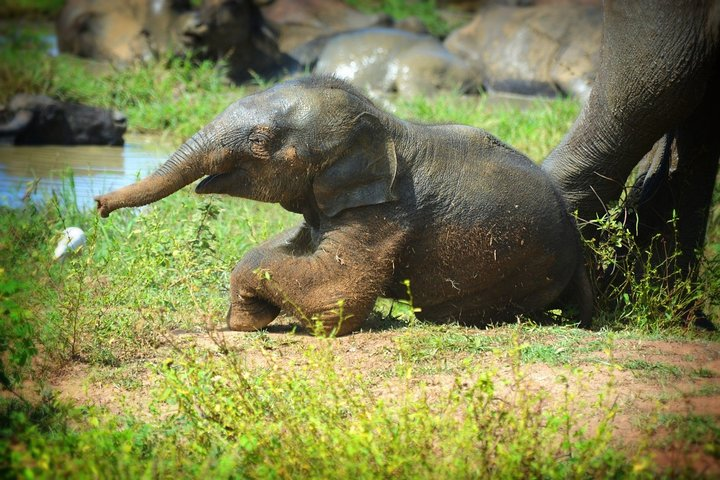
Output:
x=662 y=388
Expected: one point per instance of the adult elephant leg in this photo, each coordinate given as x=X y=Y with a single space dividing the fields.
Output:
x=684 y=191
x=656 y=60
x=649 y=204
x=693 y=181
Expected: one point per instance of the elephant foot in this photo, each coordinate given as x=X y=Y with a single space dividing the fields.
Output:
x=250 y=315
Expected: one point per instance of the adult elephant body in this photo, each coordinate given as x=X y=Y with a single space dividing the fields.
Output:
x=658 y=80
x=478 y=230
x=125 y=31
x=411 y=65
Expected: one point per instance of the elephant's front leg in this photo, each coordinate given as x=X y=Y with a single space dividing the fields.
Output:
x=247 y=311
x=336 y=284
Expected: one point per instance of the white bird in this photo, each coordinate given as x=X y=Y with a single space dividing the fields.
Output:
x=72 y=240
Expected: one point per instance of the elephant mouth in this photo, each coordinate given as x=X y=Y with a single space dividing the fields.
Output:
x=228 y=182
x=202 y=186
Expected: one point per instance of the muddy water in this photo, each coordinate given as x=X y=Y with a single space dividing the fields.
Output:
x=35 y=172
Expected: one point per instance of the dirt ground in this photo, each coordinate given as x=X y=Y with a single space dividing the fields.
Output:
x=647 y=379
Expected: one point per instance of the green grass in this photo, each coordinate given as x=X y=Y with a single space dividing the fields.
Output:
x=550 y=345
x=693 y=430
x=30 y=9
x=425 y=10
x=314 y=419
x=653 y=369
x=707 y=390
x=703 y=373
x=175 y=98
x=139 y=276
x=533 y=131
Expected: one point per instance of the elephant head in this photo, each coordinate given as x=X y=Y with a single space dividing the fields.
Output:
x=312 y=143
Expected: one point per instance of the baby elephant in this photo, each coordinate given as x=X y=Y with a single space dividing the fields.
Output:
x=480 y=232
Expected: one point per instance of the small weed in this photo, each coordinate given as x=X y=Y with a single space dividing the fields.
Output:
x=128 y=376
x=552 y=345
x=317 y=420
x=700 y=430
x=550 y=354
x=17 y=333
x=707 y=390
x=26 y=9
x=702 y=373
x=429 y=342
x=652 y=369
x=425 y=10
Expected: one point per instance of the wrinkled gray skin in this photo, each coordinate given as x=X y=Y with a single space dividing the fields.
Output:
x=658 y=75
x=477 y=228
x=391 y=60
x=543 y=50
x=41 y=120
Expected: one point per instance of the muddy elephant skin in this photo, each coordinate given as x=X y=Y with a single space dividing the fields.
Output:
x=543 y=50
x=657 y=82
x=391 y=60
x=139 y=30
x=126 y=31
x=235 y=31
x=41 y=120
x=478 y=230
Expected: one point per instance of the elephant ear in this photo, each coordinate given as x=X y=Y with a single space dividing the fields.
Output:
x=363 y=174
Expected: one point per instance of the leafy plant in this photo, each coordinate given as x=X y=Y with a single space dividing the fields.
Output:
x=642 y=286
x=17 y=333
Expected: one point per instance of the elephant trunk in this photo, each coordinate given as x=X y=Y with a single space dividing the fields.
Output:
x=191 y=161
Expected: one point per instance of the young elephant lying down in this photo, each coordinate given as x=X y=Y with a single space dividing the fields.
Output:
x=478 y=229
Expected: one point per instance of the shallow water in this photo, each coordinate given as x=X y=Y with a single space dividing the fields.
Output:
x=35 y=172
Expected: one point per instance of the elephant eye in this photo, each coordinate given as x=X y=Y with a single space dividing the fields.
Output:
x=258 y=138
x=260 y=142
x=260 y=134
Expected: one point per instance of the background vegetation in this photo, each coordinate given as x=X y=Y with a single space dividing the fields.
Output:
x=229 y=411
x=30 y=9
